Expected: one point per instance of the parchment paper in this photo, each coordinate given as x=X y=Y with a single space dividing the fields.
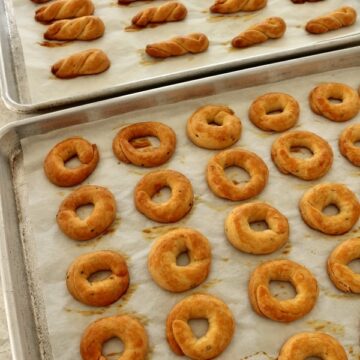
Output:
x=255 y=338
x=126 y=49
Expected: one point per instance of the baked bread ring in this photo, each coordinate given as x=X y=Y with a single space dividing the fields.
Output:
x=307 y=169
x=320 y=103
x=289 y=310
x=261 y=112
x=54 y=164
x=103 y=292
x=244 y=238
x=203 y=134
x=128 y=329
x=162 y=260
x=316 y=199
x=347 y=140
x=148 y=157
x=102 y=216
x=221 y=186
x=197 y=306
x=340 y=274
x=174 y=209
x=305 y=345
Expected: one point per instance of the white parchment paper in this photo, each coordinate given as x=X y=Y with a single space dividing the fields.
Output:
x=126 y=49
x=255 y=338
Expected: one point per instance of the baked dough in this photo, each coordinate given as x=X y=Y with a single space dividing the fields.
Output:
x=347 y=140
x=179 y=45
x=87 y=62
x=200 y=306
x=231 y=6
x=162 y=260
x=270 y=28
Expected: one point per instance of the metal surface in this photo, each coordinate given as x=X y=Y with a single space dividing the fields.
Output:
x=27 y=324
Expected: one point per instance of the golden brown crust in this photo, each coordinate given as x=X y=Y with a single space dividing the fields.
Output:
x=103 y=292
x=85 y=28
x=54 y=164
x=226 y=132
x=64 y=9
x=200 y=306
x=307 y=169
x=261 y=112
x=102 y=216
x=221 y=186
x=320 y=103
x=171 y=11
x=289 y=310
x=179 y=45
x=128 y=329
x=125 y=151
x=244 y=238
x=340 y=274
x=162 y=260
x=347 y=140
x=174 y=209
x=319 y=197
x=345 y=16
x=231 y=6
x=270 y=28
x=87 y=62
x=305 y=345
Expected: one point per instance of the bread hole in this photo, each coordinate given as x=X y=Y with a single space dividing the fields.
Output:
x=275 y=111
x=313 y=358
x=143 y=143
x=334 y=100
x=215 y=122
x=163 y=195
x=84 y=211
x=300 y=152
x=237 y=175
x=331 y=210
x=113 y=349
x=99 y=276
x=73 y=162
x=355 y=266
x=199 y=327
x=183 y=259
x=357 y=143
x=282 y=290
x=259 y=225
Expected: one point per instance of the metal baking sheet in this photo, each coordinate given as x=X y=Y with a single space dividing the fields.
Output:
x=28 y=85
x=25 y=308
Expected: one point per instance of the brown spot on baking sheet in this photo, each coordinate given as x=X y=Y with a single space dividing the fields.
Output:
x=337 y=295
x=127 y=296
x=87 y=312
x=209 y=284
x=287 y=248
x=154 y=232
x=225 y=259
x=147 y=60
x=52 y=44
x=142 y=318
x=111 y=229
x=61 y=193
x=327 y=326
x=267 y=356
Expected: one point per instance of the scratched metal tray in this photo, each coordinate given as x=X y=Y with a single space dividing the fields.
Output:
x=24 y=309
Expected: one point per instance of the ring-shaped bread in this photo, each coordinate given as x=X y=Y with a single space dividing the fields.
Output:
x=162 y=260
x=103 y=292
x=320 y=103
x=214 y=127
x=274 y=112
x=147 y=157
x=347 y=140
x=172 y=210
x=244 y=238
x=223 y=187
x=289 y=310
x=179 y=334
x=307 y=169
x=101 y=217
x=340 y=273
x=305 y=345
x=124 y=327
x=54 y=164
x=316 y=199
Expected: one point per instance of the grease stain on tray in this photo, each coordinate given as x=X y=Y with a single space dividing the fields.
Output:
x=147 y=60
x=99 y=311
x=220 y=17
x=211 y=283
x=339 y=295
x=51 y=44
x=111 y=229
x=127 y=296
x=61 y=193
x=142 y=318
x=327 y=326
x=287 y=248
x=355 y=173
x=267 y=356
x=154 y=232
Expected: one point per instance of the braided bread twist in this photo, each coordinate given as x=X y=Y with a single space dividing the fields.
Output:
x=270 y=28
x=84 y=28
x=231 y=6
x=88 y=62
x=64 y=9
x=171 y=11
x=345 y=16
x=179 y=45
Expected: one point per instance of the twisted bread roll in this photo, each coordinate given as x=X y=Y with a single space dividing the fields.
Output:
x=345 y=16
x=84 y=28
x=88 y=62
x=271 y=28
x=179 y=45
x=231 y=6
x=171 y=11
x=64 y=9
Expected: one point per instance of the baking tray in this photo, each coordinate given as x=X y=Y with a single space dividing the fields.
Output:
x=18 y=84
x=24 y=307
